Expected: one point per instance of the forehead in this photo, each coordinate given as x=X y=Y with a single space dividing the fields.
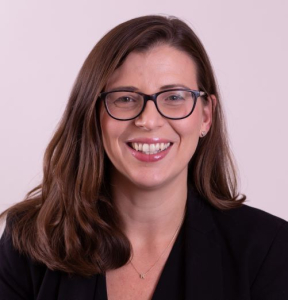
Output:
x=159 y=66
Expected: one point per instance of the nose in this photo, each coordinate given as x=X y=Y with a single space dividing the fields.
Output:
x=150 y=118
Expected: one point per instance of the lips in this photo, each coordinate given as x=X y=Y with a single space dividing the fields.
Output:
x=149 y=150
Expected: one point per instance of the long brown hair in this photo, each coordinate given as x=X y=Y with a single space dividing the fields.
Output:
x=68 y=222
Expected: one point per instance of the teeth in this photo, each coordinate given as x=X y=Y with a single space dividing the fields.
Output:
x=150 y=148
x=145 y=148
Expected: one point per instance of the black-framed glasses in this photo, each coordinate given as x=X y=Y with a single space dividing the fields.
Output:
x=174 y=104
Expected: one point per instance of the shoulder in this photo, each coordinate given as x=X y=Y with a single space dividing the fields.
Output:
x=244 y=223
x=256 y=243
x=249 y=231
x=248 y=222
x=20 y=277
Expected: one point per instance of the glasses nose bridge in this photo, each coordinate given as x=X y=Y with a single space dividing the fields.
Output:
x=152 y=97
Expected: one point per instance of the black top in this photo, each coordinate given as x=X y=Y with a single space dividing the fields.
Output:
x=240 y=254
x=171 y=281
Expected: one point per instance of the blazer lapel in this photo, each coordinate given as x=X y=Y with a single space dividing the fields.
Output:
x=203 y=278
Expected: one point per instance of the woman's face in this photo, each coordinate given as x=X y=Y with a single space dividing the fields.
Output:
x=150 y=72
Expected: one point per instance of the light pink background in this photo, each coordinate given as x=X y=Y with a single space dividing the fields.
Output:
x=44 y=43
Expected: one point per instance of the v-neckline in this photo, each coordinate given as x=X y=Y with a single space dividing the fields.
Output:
x=170 y=281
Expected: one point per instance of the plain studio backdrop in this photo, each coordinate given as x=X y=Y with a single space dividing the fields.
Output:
x=44 y=43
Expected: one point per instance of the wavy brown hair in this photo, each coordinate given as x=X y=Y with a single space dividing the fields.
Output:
x=69 y=222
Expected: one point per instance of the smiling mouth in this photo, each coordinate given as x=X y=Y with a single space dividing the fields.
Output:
x=150 y=148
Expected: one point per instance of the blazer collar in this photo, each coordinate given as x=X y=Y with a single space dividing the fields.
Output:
x=203 y=270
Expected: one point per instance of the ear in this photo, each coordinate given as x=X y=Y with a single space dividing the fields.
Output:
x=208 y=108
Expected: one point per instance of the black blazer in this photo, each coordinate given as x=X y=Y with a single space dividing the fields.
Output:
x=237 y=254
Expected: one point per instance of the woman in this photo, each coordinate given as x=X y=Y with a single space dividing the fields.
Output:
x=139 y=196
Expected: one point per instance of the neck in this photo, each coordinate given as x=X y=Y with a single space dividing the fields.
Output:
x=149 y=214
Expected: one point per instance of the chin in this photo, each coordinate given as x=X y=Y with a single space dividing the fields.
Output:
x=148 y=184
x=144 y=181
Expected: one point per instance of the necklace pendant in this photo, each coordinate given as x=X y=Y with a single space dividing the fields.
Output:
x=142 y=276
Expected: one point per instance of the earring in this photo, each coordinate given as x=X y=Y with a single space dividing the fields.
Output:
x=203 y=133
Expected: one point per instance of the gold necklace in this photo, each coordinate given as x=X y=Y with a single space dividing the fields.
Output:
x=142 y=275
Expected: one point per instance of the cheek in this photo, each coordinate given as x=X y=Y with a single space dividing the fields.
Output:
x=108 y=131
x=190 y=139
x=190 y=127
x=188 y=132
x=112 y=133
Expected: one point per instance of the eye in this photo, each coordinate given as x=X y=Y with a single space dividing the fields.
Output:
x=175 y=97
x=125 y=101
x=172 y=99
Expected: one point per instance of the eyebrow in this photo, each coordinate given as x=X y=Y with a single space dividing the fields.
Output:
x=164 y=87
x=172 y=86
x=128 y=88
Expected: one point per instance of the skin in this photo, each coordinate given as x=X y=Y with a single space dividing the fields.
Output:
x=151 y=196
